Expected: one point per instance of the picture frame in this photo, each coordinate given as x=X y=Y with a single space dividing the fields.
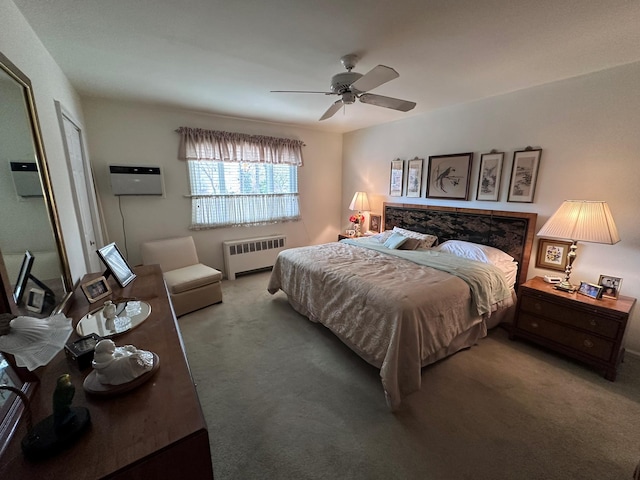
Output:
x=414 y=177
x=396 y=177
x=490 y=176
x=552 y=254
x=448 y=176
x=375 y=222
x=116 y=264
x=96 y=289
x=524 y=175
x=590 y=290
x=610 y=286
x=35 y=300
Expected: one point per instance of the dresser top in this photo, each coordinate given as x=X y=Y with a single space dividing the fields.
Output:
x=623 y=304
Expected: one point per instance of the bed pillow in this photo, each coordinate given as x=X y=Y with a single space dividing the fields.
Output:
x=426 y=240
x=475 y=251
x=382 y=236
x=410 y=244
x=395 y=241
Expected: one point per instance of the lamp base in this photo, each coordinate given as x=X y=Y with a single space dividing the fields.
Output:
x=45 y=440
x=565 y=286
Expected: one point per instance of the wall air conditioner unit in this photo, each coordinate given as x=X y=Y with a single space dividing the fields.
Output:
x=135 y=180
x=26 y=179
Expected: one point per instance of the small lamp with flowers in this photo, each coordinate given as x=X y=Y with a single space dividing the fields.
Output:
x=359 y=203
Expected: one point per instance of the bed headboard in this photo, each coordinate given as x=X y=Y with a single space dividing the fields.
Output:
x=511 y=232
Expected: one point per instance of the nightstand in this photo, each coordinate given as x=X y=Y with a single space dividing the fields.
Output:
x=575 y=325
x=342 y=236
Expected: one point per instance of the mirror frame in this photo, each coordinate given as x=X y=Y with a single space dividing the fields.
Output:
x=25 y=380
x=43 y=169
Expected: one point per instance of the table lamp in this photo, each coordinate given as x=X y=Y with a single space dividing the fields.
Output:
x=359 y=202
x=580 y=220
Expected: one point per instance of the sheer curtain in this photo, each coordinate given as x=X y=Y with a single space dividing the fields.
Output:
x=240 y=179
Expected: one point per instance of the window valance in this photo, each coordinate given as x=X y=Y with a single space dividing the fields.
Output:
x=200 y=144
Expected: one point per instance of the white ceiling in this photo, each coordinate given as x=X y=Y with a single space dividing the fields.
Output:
x=224 y=57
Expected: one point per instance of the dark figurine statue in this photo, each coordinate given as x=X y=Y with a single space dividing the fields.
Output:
x=62 y=396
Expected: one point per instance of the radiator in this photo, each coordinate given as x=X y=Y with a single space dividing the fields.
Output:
x=251 y=254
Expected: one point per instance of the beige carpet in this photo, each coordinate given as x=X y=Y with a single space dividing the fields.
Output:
x=285 y=399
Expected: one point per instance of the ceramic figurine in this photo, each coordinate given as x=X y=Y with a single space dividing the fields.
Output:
x=119 y=365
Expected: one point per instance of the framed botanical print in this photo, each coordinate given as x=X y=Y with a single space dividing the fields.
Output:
x=395 y=181
x=552 y=254
x=414 y=177
x=449 y=175
x=489 y=177
x=524 y=175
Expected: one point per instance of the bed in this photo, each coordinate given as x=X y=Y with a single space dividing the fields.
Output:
x=402 y=309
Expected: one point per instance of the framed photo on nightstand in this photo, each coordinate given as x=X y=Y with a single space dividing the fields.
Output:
x=610 y=286
x=590 y=290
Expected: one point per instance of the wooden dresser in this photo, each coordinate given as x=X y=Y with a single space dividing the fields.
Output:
x=573 y=324
x=154 y=431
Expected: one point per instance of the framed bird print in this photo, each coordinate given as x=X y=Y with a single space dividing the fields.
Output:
x=449 y=175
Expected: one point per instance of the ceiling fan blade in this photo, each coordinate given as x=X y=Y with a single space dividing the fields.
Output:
x=301 y=91
x=374 y=78
x=387 y=102
x=332 y=110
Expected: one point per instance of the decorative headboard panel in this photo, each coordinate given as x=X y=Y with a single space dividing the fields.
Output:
x=511 y=232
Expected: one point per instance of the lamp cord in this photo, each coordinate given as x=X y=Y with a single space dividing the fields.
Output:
x=25 y=401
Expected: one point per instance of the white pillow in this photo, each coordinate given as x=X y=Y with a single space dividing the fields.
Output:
x=426 y=240
x=475 y=251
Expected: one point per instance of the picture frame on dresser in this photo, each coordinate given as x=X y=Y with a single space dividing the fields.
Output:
x=610 y=286
x=524 y=175
x=590 y=290
x=375 y=221
x=396 y=177
x=448 y=176
x=489 y=176
x=552 y=254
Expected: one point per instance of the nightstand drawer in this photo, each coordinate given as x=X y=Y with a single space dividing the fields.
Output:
x=589 y=344
x=580 y=318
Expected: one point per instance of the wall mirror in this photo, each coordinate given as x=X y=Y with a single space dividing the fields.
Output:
x=28 y=222
x=28 y=213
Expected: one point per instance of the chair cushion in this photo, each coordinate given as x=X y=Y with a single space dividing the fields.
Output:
x=170 y=254
x=193 y=276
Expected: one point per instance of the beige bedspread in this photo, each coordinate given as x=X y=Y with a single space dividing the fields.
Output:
x=397 y=315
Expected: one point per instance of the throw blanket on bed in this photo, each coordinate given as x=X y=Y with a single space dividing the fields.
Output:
x=487 y=283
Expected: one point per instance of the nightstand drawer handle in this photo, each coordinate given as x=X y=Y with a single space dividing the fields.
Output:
x=534 y=324
x=593 y=323
x=537 y=306
x=588 y=343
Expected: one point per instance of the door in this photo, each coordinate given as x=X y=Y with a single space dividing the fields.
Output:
x=84 y=195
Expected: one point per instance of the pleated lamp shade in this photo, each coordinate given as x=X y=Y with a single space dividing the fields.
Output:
x=582 y=221
x=360 y=202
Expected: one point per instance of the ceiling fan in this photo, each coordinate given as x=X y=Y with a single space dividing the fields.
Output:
x=352 y=85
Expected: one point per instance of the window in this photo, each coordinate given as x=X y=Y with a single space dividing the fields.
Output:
x=230 y=193
x=239 y=179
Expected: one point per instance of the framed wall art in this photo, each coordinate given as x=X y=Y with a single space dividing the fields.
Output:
x=610 y=286
x=524 y=175
x=552 y=254
x=489 y=177
x=414 y=177
x=395 y=181
x=449 y=175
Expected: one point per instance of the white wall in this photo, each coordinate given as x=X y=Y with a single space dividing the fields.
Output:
x=23 y=48
x=133 y=134
x=588 y=128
